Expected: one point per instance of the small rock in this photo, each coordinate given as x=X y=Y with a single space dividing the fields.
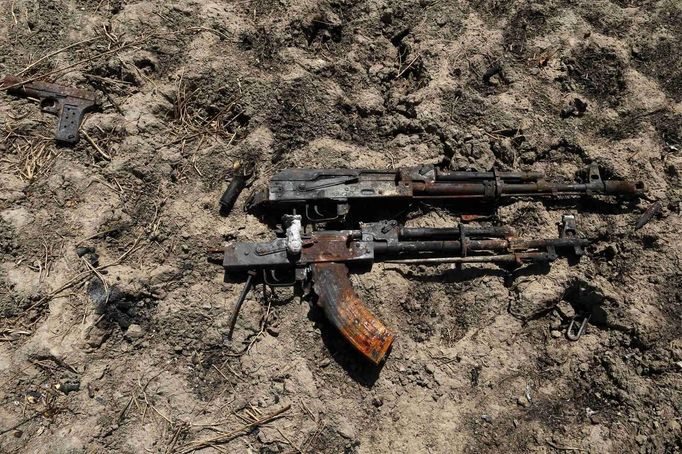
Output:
x=82 y=250
x=387 y=16
x=134 y=331
x=377 y=402
x=523 y=401
x=555 y=333
x=429 y=368
x=273 y=331
x=595 y=418
x=584 y=367
x=324 y=363
x=68 y=386
x=178 y=349
x=641 y=439
x=18 y=433
x=96 y=337
x=487 y=418
x=345 y=429
x=565 y=308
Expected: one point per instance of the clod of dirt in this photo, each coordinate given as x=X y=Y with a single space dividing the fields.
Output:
x=657 y=58
x=598 y=72
x=527 y=23
x=575 y=108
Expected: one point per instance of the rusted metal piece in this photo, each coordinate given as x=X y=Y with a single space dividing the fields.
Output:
x=571 y=333
x=67 y=103
x=242 y=297
x=347 y=313
x=323 y=247
x=326 y=256
x=328 y=194
x=653 y=210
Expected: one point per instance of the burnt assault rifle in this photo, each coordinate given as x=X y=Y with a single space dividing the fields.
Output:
x=320 y=262
x=329 y=194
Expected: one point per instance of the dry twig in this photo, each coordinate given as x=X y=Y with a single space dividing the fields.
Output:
x=223 y=438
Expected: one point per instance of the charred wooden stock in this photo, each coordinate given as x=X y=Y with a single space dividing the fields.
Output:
x=326 y=194
x=69 y=104
x=325 y=258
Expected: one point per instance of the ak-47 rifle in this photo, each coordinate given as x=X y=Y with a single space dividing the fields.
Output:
x=319 y=263
x=329 y=194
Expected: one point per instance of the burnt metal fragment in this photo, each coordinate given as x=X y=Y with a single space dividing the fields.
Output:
x=321 y=195
x=322 y=261
x=68 y=103
x=653 y=210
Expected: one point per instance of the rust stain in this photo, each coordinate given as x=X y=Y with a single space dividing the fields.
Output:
x=348 y=314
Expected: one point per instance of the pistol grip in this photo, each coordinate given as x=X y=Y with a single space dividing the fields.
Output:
x=347 y=313
x=70 y=118
x=232 y=192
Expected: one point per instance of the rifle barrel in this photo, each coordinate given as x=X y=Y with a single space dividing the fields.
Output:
x=467 y=176
x=500 y=258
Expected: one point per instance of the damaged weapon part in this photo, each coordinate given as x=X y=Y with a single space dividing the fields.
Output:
x=571 y=333
x=240 y=177
x=653 y=210
x=329 y=194
x=67 y=103
x=319 y=262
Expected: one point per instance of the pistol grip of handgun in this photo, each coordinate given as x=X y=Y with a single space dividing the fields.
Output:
x=70 y=118
x=347 y=313
x=229 y=197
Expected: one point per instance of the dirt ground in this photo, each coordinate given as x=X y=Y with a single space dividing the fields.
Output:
x=114 y=324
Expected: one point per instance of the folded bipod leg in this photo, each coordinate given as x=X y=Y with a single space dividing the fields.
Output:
x=240 y=301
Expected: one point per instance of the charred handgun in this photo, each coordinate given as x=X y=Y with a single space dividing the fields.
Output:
x=69 y=104
x=320 y=262
x=329 y=194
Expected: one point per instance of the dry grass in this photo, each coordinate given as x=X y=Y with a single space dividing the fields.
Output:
x=28 y=156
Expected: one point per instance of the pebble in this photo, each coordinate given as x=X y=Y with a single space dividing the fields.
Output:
x=377 y=402
x=324 y=363
x=641 y=439
x=134 y=331
x=523 y=401
x=68 y=386
x=487 y=418
x=429 y=368
x=345 y=429
x=96 y=337
x=595 y=418
x=566 y=309
x=82 y=250
x=556 y=333
x=584 y=367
